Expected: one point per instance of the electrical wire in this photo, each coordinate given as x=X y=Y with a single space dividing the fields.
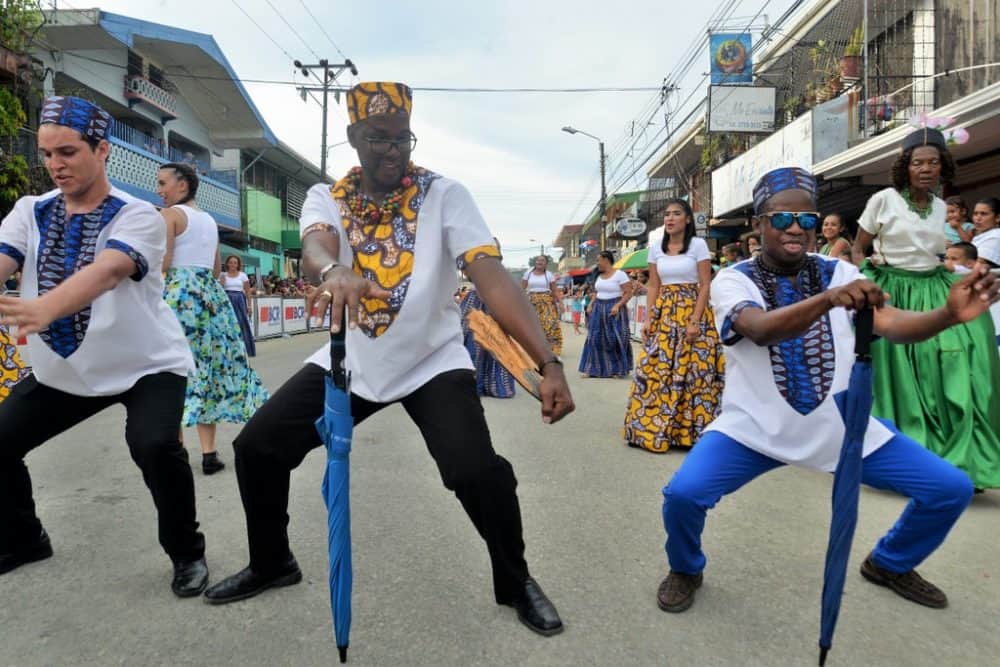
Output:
x=290 y=27
x=265 y=33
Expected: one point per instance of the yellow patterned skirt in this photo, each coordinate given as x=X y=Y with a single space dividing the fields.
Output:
x=11 y=367
x=678 y=385
x=545 y=306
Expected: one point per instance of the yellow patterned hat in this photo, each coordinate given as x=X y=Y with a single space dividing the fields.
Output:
x=374 y=98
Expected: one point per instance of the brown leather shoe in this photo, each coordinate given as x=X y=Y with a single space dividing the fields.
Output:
x=909 y=585
x=676 y=592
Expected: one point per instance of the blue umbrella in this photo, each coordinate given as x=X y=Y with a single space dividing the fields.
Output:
x=335 y=428
x=855 y=406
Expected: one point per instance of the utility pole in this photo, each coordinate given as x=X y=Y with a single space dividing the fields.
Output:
x=604 y=196
x=329 y=78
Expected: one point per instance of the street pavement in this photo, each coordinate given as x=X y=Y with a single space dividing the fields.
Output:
x=422 y=588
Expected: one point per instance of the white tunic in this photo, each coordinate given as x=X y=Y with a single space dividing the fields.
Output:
x=797 y=422
x=197 y=245
x=676 y=269
x=538 y=282
x=988 y=245
x=612 y=287
x=127 y=332
x=902 y=239
x=425 y=339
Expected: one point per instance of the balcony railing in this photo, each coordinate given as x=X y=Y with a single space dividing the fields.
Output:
x=154 y=146
x=141 y=89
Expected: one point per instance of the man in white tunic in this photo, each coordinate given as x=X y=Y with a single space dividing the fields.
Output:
x=786 y=319
x=386 y=240
x=99 y=334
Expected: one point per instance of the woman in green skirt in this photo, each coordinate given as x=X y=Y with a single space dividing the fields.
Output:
x=944 y=392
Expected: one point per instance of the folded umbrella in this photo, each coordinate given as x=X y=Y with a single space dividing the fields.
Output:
x=335 y=428
x=856 y=405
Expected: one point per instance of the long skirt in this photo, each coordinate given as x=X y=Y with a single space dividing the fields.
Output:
x=548 y=315
x=12 y=369
x=944 y=392
x=223 y=388
x=239 y=301
x=492 y=379
x=607 y=351
x=678 y=385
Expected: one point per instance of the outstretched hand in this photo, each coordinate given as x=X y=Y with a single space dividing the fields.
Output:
x=972 y=296
x=28 y=316
x=557 y=402
x=342 y=286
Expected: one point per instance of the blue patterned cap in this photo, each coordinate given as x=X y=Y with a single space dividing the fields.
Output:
x=778 y=180
x=78 y=114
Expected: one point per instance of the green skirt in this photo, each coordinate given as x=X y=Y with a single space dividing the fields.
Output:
x=945 y=391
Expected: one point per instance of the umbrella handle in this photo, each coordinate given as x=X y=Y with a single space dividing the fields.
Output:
x=338 y=352
x=864 y=332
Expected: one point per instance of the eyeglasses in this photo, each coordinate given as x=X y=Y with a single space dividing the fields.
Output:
x=782 y=220
x=381 y=145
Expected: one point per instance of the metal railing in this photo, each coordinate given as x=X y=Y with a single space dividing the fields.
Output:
x=154 y=145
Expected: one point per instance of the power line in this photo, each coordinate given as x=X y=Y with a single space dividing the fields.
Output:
x=290 y=27
x=322 y=29
x=266 y=34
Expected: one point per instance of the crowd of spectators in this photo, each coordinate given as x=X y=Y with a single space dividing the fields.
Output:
x=272 y=285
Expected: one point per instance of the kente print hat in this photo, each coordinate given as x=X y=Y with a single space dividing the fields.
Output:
x=778 y=180
x=78 y=114
x=374 y=98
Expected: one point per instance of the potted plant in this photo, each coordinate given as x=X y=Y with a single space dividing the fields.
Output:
x=790 y=107
x=850 y=62
x=809 y=97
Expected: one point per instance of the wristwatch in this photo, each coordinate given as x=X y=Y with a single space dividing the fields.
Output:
x=551 y=360
x=327 y=269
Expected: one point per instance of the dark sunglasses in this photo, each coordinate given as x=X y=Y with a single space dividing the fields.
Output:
x=782 y=220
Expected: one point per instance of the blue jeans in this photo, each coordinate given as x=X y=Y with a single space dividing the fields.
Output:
x=718 y=465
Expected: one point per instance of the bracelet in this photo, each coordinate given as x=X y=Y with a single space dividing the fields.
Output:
x=551 y=360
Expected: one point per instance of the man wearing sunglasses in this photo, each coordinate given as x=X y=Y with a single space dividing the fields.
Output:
x=386 y=241
x=786 y=318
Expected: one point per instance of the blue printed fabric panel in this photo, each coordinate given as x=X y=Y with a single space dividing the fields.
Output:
x=803 y=367
x=66 y=245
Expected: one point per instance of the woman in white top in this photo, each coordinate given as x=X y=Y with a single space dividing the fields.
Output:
x=544 y=296
x=925 y=388
x=679 y=377
x=608 y=349
x=237 y=287
x=223 y=388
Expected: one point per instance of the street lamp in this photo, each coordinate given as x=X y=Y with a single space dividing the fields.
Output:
x=604 y=194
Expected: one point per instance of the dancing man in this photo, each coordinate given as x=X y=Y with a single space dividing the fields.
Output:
x=787 y=315
x=99 y=334
x=360 y=243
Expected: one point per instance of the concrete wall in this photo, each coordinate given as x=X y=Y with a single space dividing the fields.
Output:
x=968 y=32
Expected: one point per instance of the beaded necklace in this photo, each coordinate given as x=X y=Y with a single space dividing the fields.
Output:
x=921 y=211
x=363 y=208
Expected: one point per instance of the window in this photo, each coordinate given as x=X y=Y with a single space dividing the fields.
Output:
x=135 y=65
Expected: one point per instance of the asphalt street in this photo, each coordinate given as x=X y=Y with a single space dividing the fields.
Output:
x=422 y=589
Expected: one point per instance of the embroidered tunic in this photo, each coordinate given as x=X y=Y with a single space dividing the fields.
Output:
x=127 y=332
x=781 y=400
x=402 y=343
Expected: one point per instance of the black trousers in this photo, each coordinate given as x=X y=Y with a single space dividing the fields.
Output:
x=450 y=417
x=35 y=413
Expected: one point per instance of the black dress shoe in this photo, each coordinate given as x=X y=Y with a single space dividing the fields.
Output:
x=536 y=611
x=190 y=578
x=40 y=549
x=246 y=583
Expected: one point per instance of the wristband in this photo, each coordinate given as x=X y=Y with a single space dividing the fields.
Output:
x=551 y=360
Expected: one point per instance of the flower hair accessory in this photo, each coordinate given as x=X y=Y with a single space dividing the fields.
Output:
x=931 y=131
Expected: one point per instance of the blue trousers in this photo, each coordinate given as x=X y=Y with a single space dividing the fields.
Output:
x=718 y=465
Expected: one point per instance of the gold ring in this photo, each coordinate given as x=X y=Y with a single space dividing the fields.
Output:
x=326 y=293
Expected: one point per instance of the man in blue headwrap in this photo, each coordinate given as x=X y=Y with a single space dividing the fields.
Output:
x=786 y=320
x=99 y=334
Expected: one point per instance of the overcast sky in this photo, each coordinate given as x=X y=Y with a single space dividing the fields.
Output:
x=528 y=177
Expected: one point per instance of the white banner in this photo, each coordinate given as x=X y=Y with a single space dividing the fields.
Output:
x=741 y=109
x=294 y=315
x=268 y=311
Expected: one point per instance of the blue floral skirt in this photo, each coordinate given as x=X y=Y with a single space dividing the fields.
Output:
x=223 y=388
x=239 y=301
x=492 y=379
x=608 y=349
